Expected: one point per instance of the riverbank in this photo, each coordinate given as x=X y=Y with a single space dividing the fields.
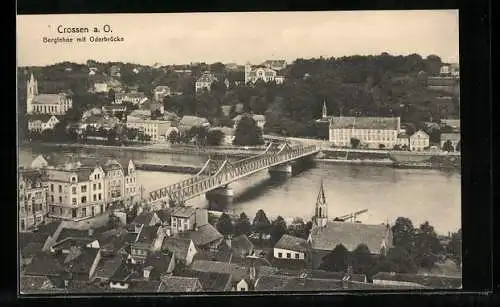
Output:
x=382 y=162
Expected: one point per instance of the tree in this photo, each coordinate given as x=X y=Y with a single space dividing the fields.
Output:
x=355 y=142
x=156 y=114
x=215 y=137
x=225 y=225
x=403 y=234
x=337 y=260
x=381 y=146
x=447 y=146
x=397 y=260
x=454 y=248
x=247 y=133
x=298 y=228
x=131 y=133
x=242 y=225
x=427 y=246
x=361 y=259
x=261 y=223
x=278 y=229
x=111 y=95
x=173 y=137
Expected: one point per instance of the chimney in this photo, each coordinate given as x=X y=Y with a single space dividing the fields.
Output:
x=147 y=271
x=228 y=240
x=345 y=282
x=252 y=272
x=91 y=232
x=349 y=270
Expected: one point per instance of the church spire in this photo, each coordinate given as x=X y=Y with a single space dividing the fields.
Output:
x=321 y=213
x=325 y=111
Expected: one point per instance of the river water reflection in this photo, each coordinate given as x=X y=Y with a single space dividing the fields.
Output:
x=421 y=195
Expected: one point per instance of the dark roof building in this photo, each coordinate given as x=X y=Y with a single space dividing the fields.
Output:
x=83 y=266
x=178 y=246
x=180 y=284
x=292 y=243
x=372 y=123
x=428 y=281
x=107 y=268
x=210 y=281
x=241 y=246
x=205 y=235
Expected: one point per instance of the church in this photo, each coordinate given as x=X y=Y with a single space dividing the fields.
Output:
x=50 y=104
x=326 y=234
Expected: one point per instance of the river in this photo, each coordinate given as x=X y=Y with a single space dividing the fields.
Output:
x=421 y=195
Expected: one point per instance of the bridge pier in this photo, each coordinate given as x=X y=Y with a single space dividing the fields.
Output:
x=281 y=169
x=220 y=198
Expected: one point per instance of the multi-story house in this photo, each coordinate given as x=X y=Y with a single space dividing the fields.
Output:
x=160 y=92
x=372 y=132
x=32 y=199
x=77 y=191
x=41 y=122
x=205 y=82
x=133 y=98
x=260 y=72
x=419 y=141
x=156 y=129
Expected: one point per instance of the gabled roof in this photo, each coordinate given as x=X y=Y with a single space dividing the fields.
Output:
x=222 y=255
x=144 y=218
x=292 y=243
x=351 y=235
x=210 y=281
x=41 y=117
x=108 y=267
x=183 y=212
x=165 y=214
x=69 y=242
x=146 y=286
x=72 y=233
x=49 y=228
x=125 y=273
x=84 y=262
x=148 y=234
x=204 y=235
x=179 y=284
x=27 y=238
x=178 y=246
x=28 y=284
x=159 y=263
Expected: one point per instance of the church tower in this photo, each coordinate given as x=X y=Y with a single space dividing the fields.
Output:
x=32 y=91
x=248 y=69
x=325 y=112
x=321 y=212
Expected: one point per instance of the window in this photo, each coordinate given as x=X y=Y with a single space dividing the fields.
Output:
x=95 y=186
x=99 y=185
x=288 y=255
x=60 y=188
x=84 y=211
x=280 y=255
x=296 y=255
x=52 y=187
x=99 y=196
x=60 y=199
x=22 y=224
x=73 y=201
x=84 y=199
x=73 y=213
x=52 y=198
x=73 y=190
x=95 y=197
x=84 y=188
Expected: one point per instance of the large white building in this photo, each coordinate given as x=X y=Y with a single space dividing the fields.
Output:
x=372 y=132
x=260 y=72
x=40 y=122
x=205 y=82
x=52 y=104
x=76 y=191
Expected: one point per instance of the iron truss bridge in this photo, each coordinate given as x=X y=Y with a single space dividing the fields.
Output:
x=217 y=173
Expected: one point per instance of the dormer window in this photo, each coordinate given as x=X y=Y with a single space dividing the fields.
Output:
x=73 y=179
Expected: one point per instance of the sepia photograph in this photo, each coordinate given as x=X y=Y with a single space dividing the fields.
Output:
x=239 y=152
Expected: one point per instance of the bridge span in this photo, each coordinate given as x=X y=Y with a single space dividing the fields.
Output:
x=217 y=173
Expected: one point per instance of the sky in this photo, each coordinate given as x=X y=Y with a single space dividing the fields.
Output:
x=239 y=37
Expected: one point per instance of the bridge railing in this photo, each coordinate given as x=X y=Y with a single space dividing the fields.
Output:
x=228 y=172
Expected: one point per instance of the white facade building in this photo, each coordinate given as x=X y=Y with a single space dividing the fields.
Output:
x=52 y=104
x=254 y=73
x=419 y=141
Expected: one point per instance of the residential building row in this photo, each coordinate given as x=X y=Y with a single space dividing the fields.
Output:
x=73 y=190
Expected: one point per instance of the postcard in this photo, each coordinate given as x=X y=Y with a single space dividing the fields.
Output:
x=239 y=152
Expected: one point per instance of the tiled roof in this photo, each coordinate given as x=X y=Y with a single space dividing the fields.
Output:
x=41 y=117
x=219 y=255
x=450 y=136
x=204 y=235
x=84 y=173
x=43 y=264
x=292 y=243
x=31 y=249
x=159 y=262
x=28 y=284
x=26 y=238
x=144 y=218
x=378 y=123
x=432 y=281
x=241 y=245
x=289 y=264
x=31 y=177
x=49 y=228
x=210 y=281
x=69 y=242
x=178 y=246
x=47 y=98
x=183 y=212
x=351 y=235
x=72 y=233
x=108 y=267
x=188 y=120
x=83 y=263
x=178 y=284
x=125 y=272
x=148 y=234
